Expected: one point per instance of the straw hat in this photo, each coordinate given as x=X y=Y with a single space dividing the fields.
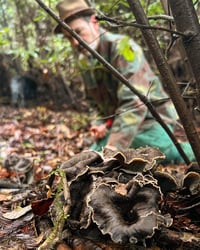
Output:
x=71 y=9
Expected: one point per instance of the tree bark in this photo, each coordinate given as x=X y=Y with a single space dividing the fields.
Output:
x=167 y=78
x=187 y=22
x=19 y=9
x=165 y=5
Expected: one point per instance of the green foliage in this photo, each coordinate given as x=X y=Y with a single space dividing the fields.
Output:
x=28 y=36
x=152 y=7
x=3 y=39
x=26 y=31
x=155 y=8
x=40 y=16
x=125 y=49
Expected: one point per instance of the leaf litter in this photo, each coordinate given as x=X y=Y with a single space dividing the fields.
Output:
x=34 y=143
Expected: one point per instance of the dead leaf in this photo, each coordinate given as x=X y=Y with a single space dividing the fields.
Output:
x=17 y=213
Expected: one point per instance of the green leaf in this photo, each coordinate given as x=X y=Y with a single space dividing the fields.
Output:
x=155 y=8
x=125 y=49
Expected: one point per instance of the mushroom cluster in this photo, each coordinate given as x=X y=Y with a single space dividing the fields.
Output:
x=115 y=194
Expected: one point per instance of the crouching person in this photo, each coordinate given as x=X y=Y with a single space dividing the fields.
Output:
x=131 y=123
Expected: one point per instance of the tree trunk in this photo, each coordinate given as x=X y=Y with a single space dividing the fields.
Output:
x=187 y=22
x=167 y=78
x=165 y=5
x=19 y=9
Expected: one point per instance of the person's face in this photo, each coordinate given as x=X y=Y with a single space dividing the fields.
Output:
x=87 y=29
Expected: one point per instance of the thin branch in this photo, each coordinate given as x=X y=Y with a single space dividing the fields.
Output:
x=161 y=17
x=183 y=209
x=137 y=25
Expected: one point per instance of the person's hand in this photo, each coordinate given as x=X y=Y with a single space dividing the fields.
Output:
x=98 y=132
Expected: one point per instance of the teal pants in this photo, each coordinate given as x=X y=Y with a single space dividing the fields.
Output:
x=154 y=137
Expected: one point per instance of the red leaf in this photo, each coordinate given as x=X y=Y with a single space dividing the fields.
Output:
x=41 y=207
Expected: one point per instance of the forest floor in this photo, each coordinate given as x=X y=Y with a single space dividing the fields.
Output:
x=33 y=141
x=43 y=135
